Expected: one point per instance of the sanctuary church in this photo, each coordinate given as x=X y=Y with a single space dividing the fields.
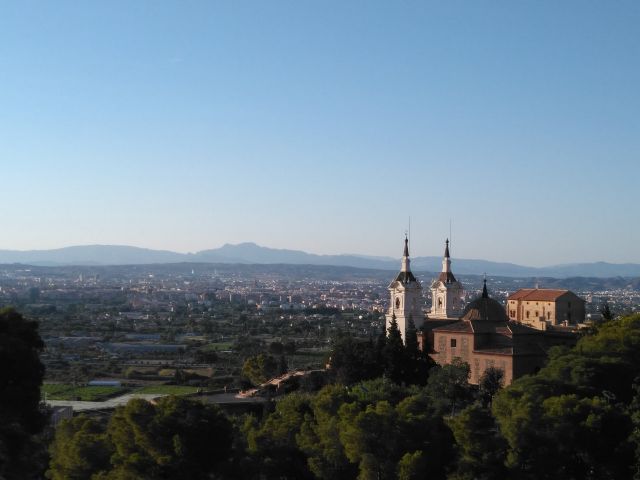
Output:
x=480 y=333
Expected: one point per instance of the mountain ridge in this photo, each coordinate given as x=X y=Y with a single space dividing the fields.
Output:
x=251 y=253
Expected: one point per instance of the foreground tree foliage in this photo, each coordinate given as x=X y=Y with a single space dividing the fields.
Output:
x=576 y=417
x=176 y=438
x=352 y=361
x=375 y=429
x=21 y=417
x=480 y=446
x=80 y=449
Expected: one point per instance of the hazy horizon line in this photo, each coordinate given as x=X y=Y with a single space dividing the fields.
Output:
x=373 y=256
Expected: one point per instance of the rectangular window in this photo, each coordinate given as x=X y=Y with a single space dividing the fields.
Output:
x=453 y=343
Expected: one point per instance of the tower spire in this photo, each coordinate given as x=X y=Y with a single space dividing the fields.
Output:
x=446 y=260
x=405 y=255
x=446 y=292
x=485 y=294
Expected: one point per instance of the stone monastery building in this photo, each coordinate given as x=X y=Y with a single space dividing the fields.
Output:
x=482 y=333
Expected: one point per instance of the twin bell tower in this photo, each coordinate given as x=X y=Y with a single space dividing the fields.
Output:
x=406 y=300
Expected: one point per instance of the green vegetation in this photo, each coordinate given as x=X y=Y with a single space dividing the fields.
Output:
x=352 y=360
x=581 y=412
x=219 y=346
x=260 y=368
x=88 y=393
x=365 y=431
x=21 y=419
x=173 y=439
x=57 y=391
x=168 y=390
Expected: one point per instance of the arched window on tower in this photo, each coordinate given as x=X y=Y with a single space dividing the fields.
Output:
x=397 y=302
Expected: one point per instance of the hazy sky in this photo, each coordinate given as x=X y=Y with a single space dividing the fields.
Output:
x=324 y=125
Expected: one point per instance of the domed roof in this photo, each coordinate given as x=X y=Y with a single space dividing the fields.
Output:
x=485 y=308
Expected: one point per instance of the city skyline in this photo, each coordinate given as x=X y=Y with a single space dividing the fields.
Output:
x=324 y=127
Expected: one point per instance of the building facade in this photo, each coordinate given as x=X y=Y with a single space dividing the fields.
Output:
x=485 y=338
x=542 y=307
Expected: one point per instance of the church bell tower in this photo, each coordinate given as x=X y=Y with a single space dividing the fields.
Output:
x=447 y=294
x=405 y=297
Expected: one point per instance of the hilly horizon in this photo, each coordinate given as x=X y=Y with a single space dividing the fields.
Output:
x=251 y=253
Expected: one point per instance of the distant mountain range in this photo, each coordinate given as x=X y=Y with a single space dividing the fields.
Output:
x=250 y=253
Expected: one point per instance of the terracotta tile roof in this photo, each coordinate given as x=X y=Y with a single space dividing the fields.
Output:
x=520 y=328
x=461 y=326
x=432 y=323
x=499 y=327
x=537 y=294
x=485 y=326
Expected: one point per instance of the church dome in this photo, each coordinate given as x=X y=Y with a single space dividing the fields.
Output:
x=485 y=308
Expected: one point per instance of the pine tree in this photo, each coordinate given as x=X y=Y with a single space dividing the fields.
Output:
x=411 y=340
x=394 y=353
x=606 y=312
x=282 y=365
x=381 y=342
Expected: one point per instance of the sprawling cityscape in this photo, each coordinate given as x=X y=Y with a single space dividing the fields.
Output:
x=126 y=324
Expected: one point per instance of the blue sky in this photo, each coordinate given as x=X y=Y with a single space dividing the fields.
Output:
x=324 y=126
